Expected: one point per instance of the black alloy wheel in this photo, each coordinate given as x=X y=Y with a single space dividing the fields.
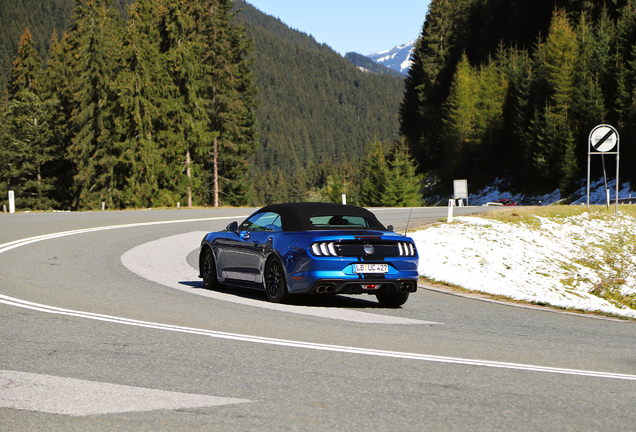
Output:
x=275 y=284
x=207 y=267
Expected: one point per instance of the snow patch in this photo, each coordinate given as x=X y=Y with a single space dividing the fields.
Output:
x=539 y=265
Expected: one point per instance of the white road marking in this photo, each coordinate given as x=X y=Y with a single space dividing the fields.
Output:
x=164 y=261
x=308 y=345
x=43 y=393
x=280 y=342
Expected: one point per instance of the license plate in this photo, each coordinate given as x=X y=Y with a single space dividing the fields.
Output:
x=372 y=268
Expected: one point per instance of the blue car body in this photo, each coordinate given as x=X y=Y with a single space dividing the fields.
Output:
x=312 y=248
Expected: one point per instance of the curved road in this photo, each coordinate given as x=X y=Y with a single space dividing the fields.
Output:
x=105 y=326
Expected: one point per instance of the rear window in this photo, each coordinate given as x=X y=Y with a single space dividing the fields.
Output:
x=340 y=221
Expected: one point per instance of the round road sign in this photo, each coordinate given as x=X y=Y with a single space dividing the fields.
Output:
x=603 y=138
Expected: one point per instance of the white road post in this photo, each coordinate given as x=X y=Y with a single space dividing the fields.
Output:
x=11 y=202
x=451 y=204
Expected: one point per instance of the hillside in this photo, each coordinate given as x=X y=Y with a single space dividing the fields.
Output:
x=42 y=18
x=315 y=106
x=510 y=90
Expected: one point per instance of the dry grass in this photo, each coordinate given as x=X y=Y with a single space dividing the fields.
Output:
x=528 y=215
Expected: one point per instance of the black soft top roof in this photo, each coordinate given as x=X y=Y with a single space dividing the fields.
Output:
x=295 y=216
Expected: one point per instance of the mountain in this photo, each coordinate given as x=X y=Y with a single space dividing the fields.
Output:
x=315 y=105
x=397 y=58
x=365 y=64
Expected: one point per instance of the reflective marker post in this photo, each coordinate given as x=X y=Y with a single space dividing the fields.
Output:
x=603 y=139
x=11 y=202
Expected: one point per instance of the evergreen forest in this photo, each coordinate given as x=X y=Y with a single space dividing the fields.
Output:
x=157 y=102
x=154 y=112
x=508 y=91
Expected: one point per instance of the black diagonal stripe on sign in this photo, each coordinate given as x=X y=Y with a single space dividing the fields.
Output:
x=602 y=140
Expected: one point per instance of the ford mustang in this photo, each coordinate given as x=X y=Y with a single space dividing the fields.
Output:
x=311 y=248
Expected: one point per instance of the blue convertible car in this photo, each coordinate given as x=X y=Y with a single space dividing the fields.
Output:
x=314 y=248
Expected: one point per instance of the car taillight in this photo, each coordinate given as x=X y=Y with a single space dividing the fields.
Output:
x=324 y=249
x=406 y=249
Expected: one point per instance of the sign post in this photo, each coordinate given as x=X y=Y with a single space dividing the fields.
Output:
x=602 y=140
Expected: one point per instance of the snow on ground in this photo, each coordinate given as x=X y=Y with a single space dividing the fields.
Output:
x=597 y=194
x=535 y=264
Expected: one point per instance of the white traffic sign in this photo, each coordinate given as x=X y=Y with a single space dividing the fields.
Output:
x=603 y=138
x=460 y=189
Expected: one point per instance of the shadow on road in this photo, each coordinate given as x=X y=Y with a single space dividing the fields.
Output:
x=326 y=300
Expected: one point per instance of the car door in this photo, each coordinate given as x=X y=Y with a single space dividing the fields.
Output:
x=245 y=249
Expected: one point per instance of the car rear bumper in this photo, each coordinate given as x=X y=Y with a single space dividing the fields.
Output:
x=362 y=286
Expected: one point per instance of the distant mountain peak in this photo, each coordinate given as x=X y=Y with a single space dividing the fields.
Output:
x=397 y=58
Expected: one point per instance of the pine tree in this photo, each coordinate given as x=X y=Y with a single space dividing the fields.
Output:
x=27 y=68
x=140 y=87
x=27 y=148
x=212 y=113
x=56 y=92
x=374 y=175
x=185 y=135
x=435 y=59
x=389 y=176
x=90 y=61
x=231 y=102
x=403 y=184
x=459 y=135
x=334 y=189
x=560 y=60
x=517 y=113
x=491 y=95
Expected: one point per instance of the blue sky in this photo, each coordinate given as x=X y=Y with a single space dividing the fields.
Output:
x=362 y=26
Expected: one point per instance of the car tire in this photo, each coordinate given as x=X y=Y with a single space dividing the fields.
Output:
x=275 y=284
x=392 y=299
x=207 y=267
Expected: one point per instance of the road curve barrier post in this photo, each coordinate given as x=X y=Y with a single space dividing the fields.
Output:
x=11 y=201
x=451 y=204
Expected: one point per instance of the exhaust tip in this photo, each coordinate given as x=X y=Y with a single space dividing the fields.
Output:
x=325 y=289
x=405 y=287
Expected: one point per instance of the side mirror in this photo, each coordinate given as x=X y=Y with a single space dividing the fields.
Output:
x=233 y=227
x=390 y=228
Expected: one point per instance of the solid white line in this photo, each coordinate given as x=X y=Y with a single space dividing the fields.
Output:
x=17 y=243
x=312 y=346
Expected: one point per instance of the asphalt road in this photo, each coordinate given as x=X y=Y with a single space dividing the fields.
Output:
x=89 y=342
